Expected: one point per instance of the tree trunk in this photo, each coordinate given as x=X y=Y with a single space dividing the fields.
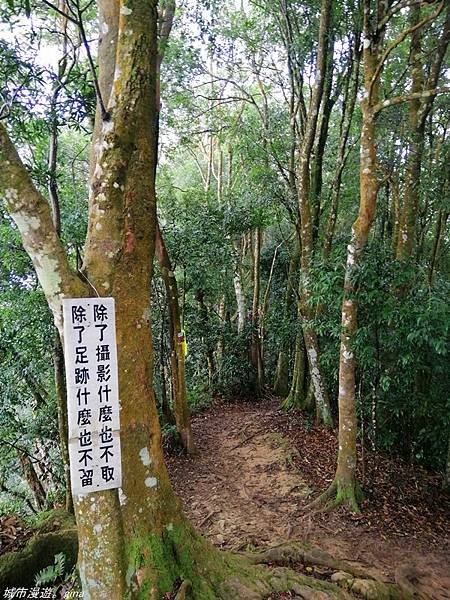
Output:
x=408 y=216
x=200 y=297
x=395 y=210
x=164 y=376
x=350 y=95
x=327 y=104
x=256 y=350
x=281 y=384
x=61 y=401
x=419 y=109
x=297 y=394
x=53 y=192
x=344 y=487
x=239 y=291
x=33 y=481
x=306 y=228
x=440 y=230
x=220 y=349
x=180 y=404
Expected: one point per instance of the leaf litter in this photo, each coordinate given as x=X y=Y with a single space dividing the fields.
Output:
x=258 y=467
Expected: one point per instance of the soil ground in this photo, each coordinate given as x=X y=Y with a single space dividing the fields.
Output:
x=258 y=467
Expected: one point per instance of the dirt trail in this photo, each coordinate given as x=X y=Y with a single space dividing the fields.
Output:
x=244 y=490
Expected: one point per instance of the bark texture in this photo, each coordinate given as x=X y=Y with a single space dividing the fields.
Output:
x=306 y=228
x=419 y=108
x=180 y=405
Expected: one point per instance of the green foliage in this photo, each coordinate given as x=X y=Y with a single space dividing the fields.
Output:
x=199 y=396
x=53 y=572
x=228 y=136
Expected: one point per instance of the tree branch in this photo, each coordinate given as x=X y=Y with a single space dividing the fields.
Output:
x=398 y=41
x=394 y=10
x=61 y=12
x=32 y=215
x=103 y=110
x=408 y=97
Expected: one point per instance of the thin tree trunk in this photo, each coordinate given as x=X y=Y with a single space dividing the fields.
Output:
x=32 y=480
x=350 y=95
x=344 y=487
x=441 y=224
x=177 y=359
x=256 y=350
x=58 y=354
x=240 y=301
x=297 y=394
x=327 y=104
x=395 y=210
x=419 y=109
x=200 y=297
x=306 y=228
x=408 y=216
x=180 y=405
x=221 y=342
x=61 y=400
x=281 y=384
x=165 y=406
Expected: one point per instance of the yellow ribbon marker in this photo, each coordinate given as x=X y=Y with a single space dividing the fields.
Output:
x=182 y=340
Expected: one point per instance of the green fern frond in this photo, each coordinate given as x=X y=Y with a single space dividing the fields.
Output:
x=53 y=572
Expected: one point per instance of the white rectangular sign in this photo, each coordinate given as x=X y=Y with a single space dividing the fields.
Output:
x=92 y=394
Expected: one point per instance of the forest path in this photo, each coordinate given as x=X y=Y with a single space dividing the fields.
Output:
x=252 y=477
x=241 y=490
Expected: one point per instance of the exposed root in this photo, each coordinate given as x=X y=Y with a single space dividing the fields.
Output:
x=345 y=587
x=345 y=582
x=338 y=493
x=323 y=502
x=294 y=400
x=259 y=582
x=298 y=552
x=184 y=588
x=376 y=590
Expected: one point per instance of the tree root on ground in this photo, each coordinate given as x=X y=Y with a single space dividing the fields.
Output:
x=337 y=494
x=298 y=552
x=211 y=574
x=346 y=581
x=343 y=587
x=257 y=582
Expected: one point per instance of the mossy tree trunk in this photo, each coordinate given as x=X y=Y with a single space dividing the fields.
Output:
x=297 y=393
x=32 y=479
